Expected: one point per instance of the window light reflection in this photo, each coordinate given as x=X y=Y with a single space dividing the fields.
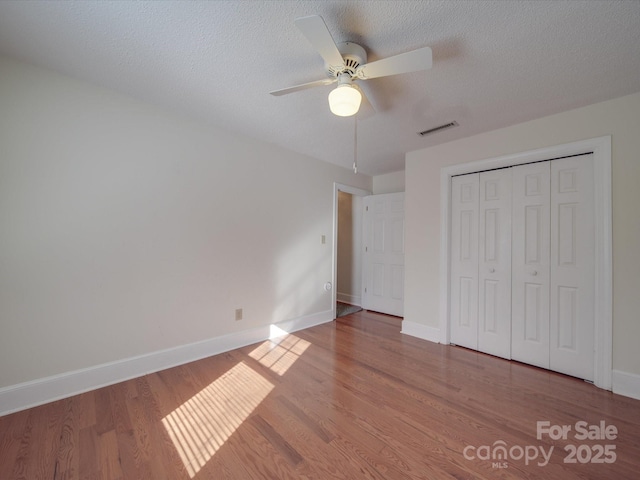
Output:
x=201 y=425
x=278 y=354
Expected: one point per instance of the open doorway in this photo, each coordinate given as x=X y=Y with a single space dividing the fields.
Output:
x=349 y=271
x=347 y=249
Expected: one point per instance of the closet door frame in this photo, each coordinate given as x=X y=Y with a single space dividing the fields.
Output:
x=603 y=301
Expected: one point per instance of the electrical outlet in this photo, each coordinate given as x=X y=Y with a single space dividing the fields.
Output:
x=238 y=314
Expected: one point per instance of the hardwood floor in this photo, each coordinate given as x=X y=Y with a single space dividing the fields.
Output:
x=347 y=400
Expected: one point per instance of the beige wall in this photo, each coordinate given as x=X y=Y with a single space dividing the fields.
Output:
x=126 y=230
x=619 y=118
x=388 y=183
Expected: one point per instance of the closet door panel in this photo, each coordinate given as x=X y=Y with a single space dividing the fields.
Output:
x=464 y=260
x=572 y=267
x=494 y=272
x=530 y=263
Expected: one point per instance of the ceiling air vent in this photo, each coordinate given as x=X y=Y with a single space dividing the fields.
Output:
x=437 y=129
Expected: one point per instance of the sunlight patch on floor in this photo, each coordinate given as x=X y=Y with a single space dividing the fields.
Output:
x=278 y=354
x=201 y=425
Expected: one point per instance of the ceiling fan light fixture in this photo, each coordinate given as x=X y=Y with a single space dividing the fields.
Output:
x=344 y=100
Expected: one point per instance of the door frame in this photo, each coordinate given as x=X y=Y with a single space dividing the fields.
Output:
x=339 y=187
x=603 y=302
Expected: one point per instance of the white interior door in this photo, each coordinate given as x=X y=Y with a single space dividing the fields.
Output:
x=464 y=260
x=530 y=264
x=572 y=267
x=383 y=265
x=494 y=255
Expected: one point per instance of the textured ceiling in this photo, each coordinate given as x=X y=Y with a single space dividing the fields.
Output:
x=494 y=63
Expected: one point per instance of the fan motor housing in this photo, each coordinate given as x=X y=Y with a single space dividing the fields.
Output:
x=354 y=56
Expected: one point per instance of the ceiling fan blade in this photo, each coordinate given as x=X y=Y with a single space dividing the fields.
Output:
x=316 y=31
x=366 y=107
x=304 y=86
x=413 y=61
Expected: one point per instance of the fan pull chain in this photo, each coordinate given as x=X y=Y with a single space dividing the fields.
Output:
x=355 y=144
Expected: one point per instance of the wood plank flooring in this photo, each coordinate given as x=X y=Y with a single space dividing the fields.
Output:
x=352 y=399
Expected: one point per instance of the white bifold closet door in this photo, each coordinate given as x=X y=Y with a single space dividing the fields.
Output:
x=522 y=264
x=494 y=256
x=530 y=266
x=572 y=265
x=481 y=263
x=464 y=260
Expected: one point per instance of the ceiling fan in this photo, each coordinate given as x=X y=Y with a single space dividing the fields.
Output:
x=347 y=62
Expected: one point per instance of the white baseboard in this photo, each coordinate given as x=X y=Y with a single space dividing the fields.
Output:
x=37 y=392
x=350 y=299
x=421 y=331
x=627 y=384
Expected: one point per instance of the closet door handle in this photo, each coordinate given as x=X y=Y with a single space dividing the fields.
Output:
x=534 y=273
x=492 y=270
